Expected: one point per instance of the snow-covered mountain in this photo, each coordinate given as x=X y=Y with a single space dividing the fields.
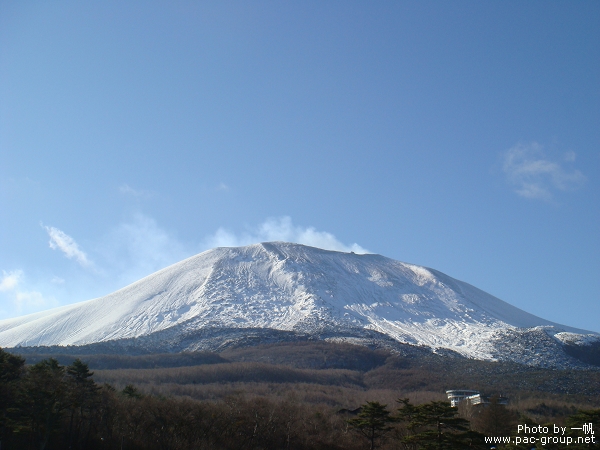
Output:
x=280 y=290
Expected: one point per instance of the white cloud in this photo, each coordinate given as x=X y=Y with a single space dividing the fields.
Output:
x=22 y=300
x=281 y=229
x=534 y=176
x=10 y=280
x=66 y=244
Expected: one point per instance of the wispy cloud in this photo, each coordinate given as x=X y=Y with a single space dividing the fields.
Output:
x=139 y=247
x=532 y=175
x=66 y=244
x=125 y=189
x=223 y=187
x=281 y=229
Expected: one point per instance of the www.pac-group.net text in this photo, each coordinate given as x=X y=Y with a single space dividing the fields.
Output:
x=545 y=435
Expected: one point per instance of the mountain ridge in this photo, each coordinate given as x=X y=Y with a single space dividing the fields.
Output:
x=301 y=292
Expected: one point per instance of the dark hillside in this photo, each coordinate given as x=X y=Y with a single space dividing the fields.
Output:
x=232 y=373
x=330 y=365
x=111 y=361
x=589 y=354
x=312 y=355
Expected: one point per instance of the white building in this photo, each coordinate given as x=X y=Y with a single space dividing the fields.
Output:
x=473 y=397
x=479 y=399
x=458 y=395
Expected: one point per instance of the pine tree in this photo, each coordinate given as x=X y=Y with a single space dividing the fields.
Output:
x=43 y=400
x=406 y=416
x=584 y=424
x=82 y=398
x=12 y=368
x=130 y=391
x=437 y=427
x=373 y=422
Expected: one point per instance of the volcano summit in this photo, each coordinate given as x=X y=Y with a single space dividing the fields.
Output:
x=282 y=291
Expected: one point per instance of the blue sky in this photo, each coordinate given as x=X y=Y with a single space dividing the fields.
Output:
x=463 y=136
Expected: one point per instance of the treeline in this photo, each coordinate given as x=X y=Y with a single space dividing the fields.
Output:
x=334 y=374
x=154 y=361
x=371 y=369
x=49 y=406
x=234 y=372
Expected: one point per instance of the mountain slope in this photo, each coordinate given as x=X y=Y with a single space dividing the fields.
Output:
x=304 y=291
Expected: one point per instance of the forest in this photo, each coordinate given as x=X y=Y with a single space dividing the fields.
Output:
x=291 y=396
